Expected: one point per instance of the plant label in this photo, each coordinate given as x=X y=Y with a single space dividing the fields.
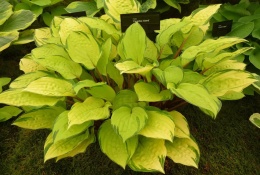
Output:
x=221 y=28
x=149 y=21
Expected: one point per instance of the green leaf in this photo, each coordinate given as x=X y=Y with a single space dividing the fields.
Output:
x=105 y=92
x=8 y=112
x=81 y=148
x=148 y=4
x=4 y=81
x=151 y=51
x=192 y=77
x=89 y=7
x=181 y=129
x=159 y=126
x=254 y=57
x=232 y=95
x=39 y=118
x=149 y=156
x=116 y=7
x=67 y=68
x=173 y=74
x=61 y=129
x=83 y=48
x=133 y=44
x=128 y=122
x=19 y=20
x=113 y=146
x=64 y=146
x=150 y=92
x=255 y=119
x=174 y=4
x=242 y=30
x=5 y=11
x=25 y=37
x=51 y=86
x=197 y=95
x=125 y=98
x=184 y=151
x=19 y=97
x=41 y=2
x=91 y=109
x=234 y=80
x=86 y=84
x=6 y=39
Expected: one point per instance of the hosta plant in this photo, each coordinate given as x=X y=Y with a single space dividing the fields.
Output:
x=246 y=24
x=11 y=24
x=86 y=81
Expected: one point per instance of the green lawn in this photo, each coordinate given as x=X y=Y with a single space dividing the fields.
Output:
x=229 y=145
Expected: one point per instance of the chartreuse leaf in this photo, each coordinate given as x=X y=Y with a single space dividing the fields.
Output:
x=19 y=20
x=133 y=44
x=69 y=25
x=51 y=86
x=19 y=97
x=255 y=119
x=150 y=92
x=78 y=6
x=131 y=67
x=151 y=51
x=81 y=148
x=6 y=38
x=192 y=77
x=39 y=118
x=25 y=79
x=41 y=2
x=233 y=80
x=149 y=155
x=61 y=130
x=127 y=122
x=197 y=95
x=67 y=68
x=86 y=84
x=104 y=91
x=27 y=65
x=225 y=65
x=181 y=129
x=5 y=11
x=104 y=58
x=42 y=35
x=4 y=81
x=209 y=45
x=91 y=109
x=83 y=48
x=113 y=146
x=184 y=151
x=125 y=98
x=165 y=35
x=232 y=95
x=52 y=150
x=8 y=112
x=159 y=126
x=212 y=61
x=115 y=75
x=48 y=50
x=114 y=8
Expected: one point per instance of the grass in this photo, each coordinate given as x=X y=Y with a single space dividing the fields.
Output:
x=229 y=145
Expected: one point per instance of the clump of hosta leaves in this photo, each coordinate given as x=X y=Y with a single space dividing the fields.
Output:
x=11 y=23
x=87 y=81
x=246 y=24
